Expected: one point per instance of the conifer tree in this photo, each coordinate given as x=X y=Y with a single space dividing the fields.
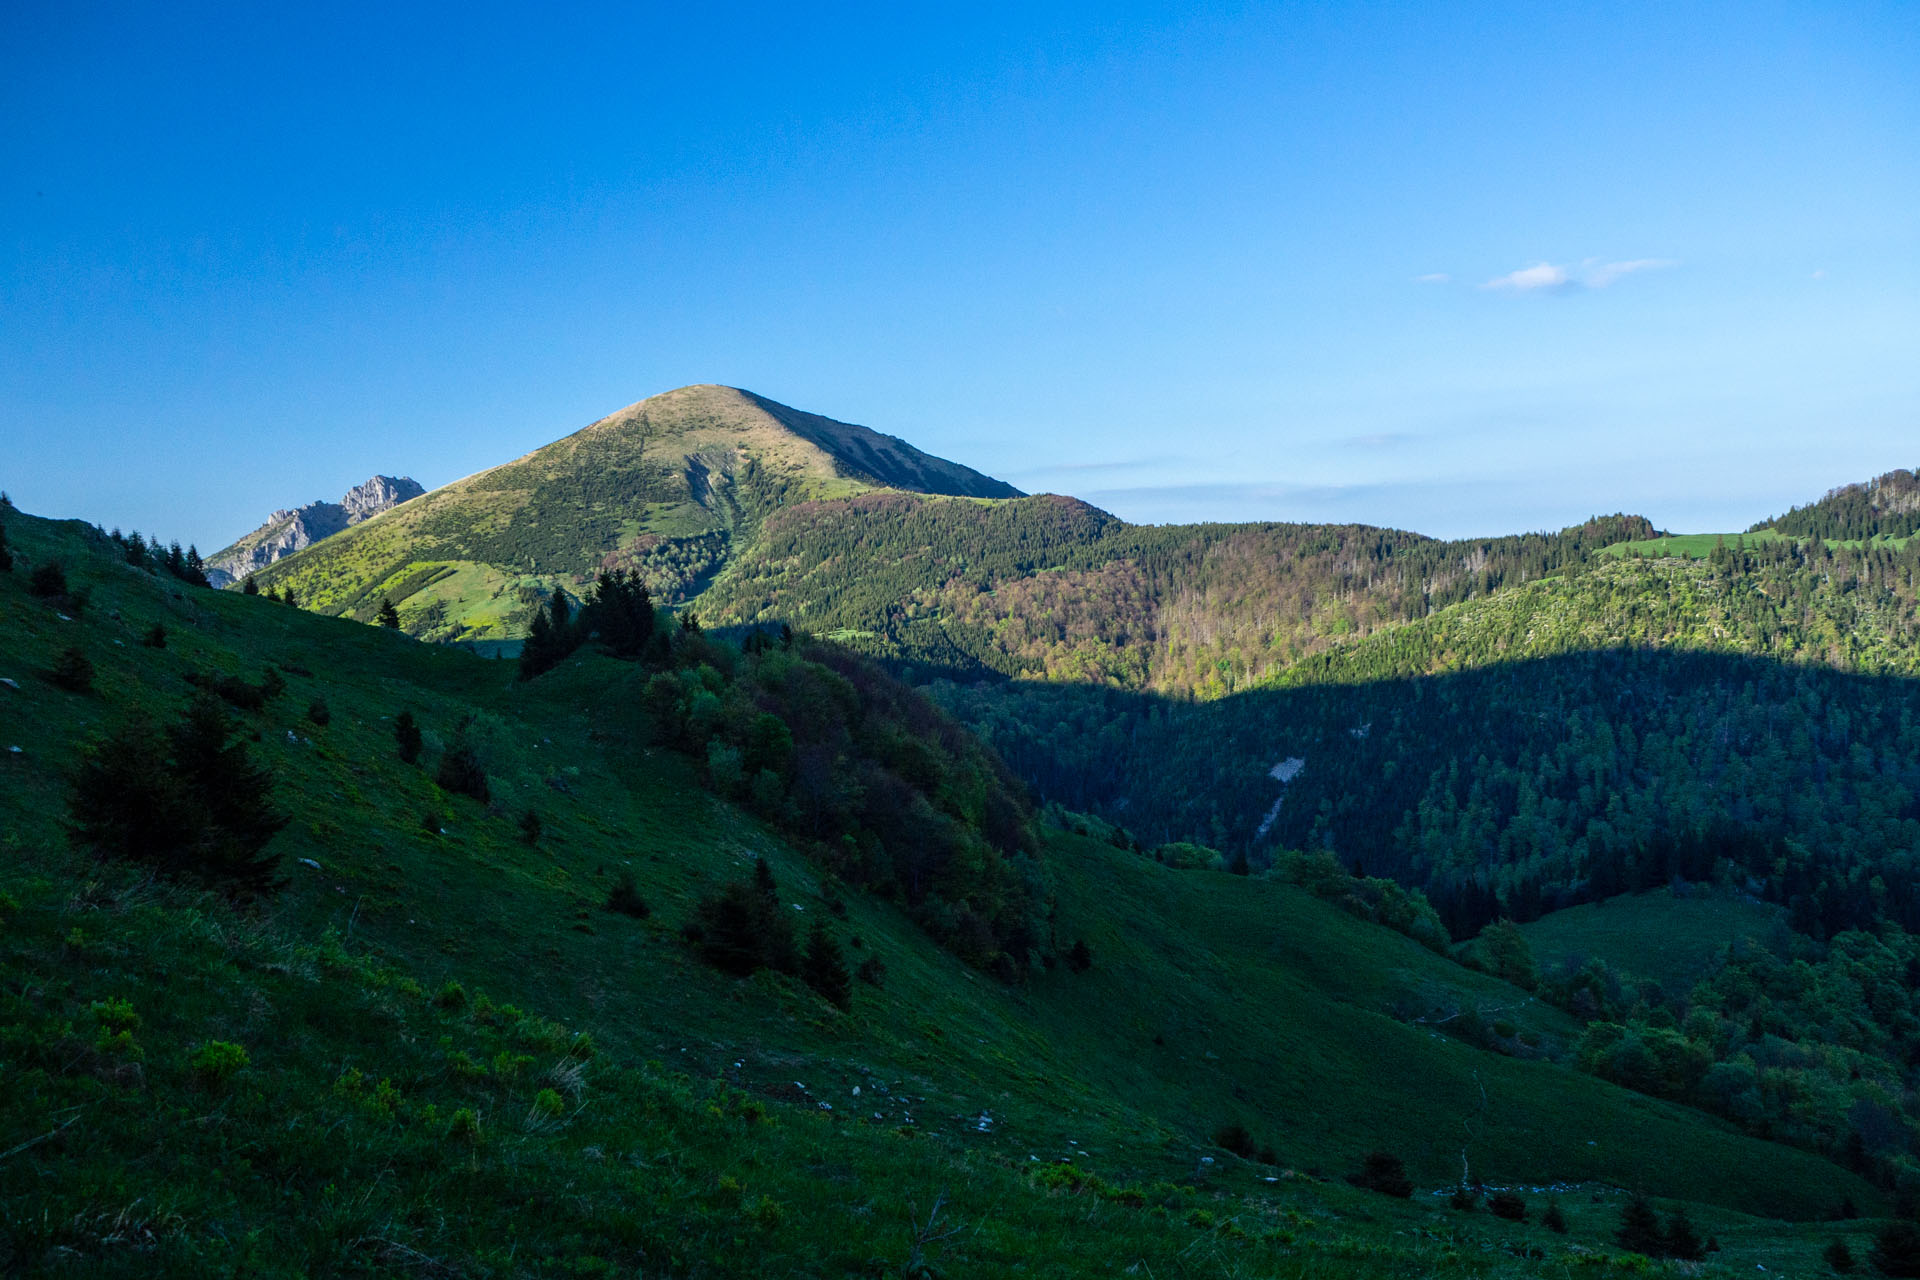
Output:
x=1680 y=1240
x=73 y=670
x=825 y=968
x=192 y=802
x=250 y=587
x=1639 y=1230
x=406 y=732
x=389 y=616
x=6 y=555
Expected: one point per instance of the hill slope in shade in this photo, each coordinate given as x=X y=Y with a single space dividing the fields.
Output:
x=667 y=486
x=692 y=1134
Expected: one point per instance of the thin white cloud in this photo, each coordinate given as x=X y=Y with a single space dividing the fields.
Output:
x=1434 y=277
x=1602 y=276
x=1821 y=274
x=1591 y=274
x=1543 y=275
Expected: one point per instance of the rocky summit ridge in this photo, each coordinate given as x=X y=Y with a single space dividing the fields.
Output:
x=288 y=531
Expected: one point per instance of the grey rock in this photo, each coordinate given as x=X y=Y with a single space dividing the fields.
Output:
x=288 y=531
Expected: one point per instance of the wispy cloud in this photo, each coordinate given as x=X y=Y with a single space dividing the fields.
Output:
x=1434 y=277
x=1599 y=277
x=1542 y=275
x=1590 y=274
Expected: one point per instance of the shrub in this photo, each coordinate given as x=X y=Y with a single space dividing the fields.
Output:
x=1896 y=1250
x=49 y=580
x=1508 y=1205
x=218 y=1061
x=624 y=898
x=1553 y=1219
x=1838 y=1256
x=872 y=971
x=451 y=996
x=1080 y=958
x=318 y=713
x=156 y=637
x=548 y=1102
x=1384 y=1172
x=1464 y=1198
x=73 y=670
x=461 y=771
x=530 y=827
x=1235 y=1138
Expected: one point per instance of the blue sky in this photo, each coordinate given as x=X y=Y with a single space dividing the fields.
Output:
x=1459 y=268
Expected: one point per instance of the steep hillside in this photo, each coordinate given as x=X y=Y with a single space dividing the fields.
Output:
x=666 y=486
x=592 y=1099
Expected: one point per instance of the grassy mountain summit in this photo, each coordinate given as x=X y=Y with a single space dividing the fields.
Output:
x=667 y=486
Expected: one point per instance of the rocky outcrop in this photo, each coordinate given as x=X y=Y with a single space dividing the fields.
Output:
x=286 y=532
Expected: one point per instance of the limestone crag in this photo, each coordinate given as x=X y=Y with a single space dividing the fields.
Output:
x=286 y=532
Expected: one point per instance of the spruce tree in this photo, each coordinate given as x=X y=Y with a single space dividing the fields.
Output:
x=1680 y=1240
x=406 y=732
x=825 y=968
x=249 y=587
x=73 y=670
x=461 y=771
x=6 y=556
x=231 y=794
x=191 y=802
x=1640 y=1228
x=156 y=636
x=389 y=616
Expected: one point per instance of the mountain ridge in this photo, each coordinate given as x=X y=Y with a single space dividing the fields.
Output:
x=289 y=530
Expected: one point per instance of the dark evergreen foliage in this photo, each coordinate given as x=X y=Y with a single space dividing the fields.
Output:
x=530 y=827
x=406 y=734
x=824 y=968
x=1384 y=1172
x=462 y=772
x=1509 y=1205
x=1080 y=956
x=741 y=928
x=1237 y=1138
x=155 y=637
x=1896 y=1250
x=318 y=713
x=621 y=613
x=1838 y=1256
x=49 y=580
x=190 y=802
x=6 y=553
x=389 y=617
x=250 y=587
x=1639 y=1230
x=624 y=898
x=73 y=670
x=1553 y=1219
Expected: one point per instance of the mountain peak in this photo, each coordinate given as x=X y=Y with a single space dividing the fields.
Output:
x=289 y=530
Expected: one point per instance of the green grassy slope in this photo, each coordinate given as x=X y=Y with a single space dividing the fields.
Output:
x=1269 y=1008
x=1672 y=940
